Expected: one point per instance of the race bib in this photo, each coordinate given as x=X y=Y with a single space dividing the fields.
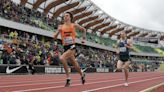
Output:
x=68 y=40
x=122 y=49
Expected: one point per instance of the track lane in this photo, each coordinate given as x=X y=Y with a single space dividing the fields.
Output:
x=80 y=87
x=135 y=86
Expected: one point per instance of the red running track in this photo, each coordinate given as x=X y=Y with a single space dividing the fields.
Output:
x=96 y=82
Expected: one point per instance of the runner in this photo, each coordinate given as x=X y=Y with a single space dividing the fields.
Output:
x=68 y=36
x=123 y=46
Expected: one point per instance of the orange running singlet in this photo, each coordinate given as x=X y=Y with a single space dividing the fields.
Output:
x=68 y=34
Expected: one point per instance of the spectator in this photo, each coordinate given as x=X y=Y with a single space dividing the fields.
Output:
x=11 y=35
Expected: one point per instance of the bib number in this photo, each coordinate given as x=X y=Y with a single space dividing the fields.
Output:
x=68 y=40
x=122 y=49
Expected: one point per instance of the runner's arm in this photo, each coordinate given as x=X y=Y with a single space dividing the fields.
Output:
x=81 y=29
x=129 y=45
x=57 y=32
x=116 y=47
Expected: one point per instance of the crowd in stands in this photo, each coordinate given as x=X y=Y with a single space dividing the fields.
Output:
x=22 y=14
x=20 y=47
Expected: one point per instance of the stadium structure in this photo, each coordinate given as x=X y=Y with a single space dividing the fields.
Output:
x=27 y=29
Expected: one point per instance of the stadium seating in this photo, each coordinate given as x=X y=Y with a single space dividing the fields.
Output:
x=34 y=18
x=145 y=49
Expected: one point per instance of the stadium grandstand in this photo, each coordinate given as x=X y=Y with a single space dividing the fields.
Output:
x=27 y=28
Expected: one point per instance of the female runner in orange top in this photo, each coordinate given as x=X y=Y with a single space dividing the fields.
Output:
x=68 y=35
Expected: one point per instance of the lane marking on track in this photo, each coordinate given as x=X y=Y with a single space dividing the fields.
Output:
x=38 y=81
x=9 y=82
x=26 y=82
x=22 y=81
x=61 y=81
x=55 y=87
x=108 y=87
x=153 y=87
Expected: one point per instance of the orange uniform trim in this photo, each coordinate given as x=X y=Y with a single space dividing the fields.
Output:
x=68 y=34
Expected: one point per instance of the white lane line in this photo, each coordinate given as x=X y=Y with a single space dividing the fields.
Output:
x=31 y=84
x=54 y=87
x=32 y=81
x=108 y=87
x=9 y=82
x=24 y=82
x=62 y=81
x=76 y=80
x=153 y=87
